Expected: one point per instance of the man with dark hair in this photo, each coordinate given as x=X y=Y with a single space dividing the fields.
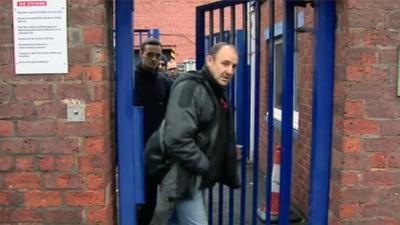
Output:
x=152 y=92
x=162 y=64
x=198 y=136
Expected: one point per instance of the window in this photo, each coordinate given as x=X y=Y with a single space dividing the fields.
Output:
x=278 y=61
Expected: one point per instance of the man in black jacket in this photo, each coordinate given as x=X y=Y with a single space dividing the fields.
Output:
x=198 y=136
x=152 y=92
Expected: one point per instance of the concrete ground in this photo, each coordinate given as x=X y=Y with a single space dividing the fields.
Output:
x=161 y=214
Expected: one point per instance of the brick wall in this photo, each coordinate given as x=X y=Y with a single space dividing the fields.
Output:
x=365 y=170
x=176 y=21
x=302 y=147
x=365 y=175
x=53 y=171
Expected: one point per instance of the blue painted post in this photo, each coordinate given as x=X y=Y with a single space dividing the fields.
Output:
x=242 y=114
x=210 y=206
x=271 y=81
x=324 y=56
x=156 y=34
x=200 y=34
x=221 y=205
x=231 y=205
x=256 y=113
x=124 y=111
x=287 y=113
x=138 y=154
x=246 y=85
x=221 y=24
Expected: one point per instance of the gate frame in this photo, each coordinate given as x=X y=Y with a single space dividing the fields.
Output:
x=128 y=125
x=321 y=146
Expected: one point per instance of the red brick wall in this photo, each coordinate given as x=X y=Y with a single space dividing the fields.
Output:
x=302 y=148
x=53 y=171
x=365 y=171
x=365 y=176
x=176 y=21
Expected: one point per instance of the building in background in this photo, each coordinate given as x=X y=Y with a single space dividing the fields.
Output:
x=175 y=20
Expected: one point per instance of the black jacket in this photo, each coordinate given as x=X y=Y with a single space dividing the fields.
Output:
x=152 y=92
x=190 y=137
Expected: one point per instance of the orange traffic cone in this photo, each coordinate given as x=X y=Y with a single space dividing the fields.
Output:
x=276 y=172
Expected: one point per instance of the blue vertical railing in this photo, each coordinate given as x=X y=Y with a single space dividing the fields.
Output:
x=271 y=81
x=200 y=38
x=201 y=42
x=324 y=55
x=287 y=112
x=243 y=111
x=319 y=173
x=256 y=112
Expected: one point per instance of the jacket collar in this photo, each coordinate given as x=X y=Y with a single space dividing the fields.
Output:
x=217 y=88
x=146 y=73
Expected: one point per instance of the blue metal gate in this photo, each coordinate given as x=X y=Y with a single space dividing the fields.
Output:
x=324 y=21
x=128 y=119
x=236 y=33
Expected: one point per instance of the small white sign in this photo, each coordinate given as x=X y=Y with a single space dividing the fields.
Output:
x=40 y=36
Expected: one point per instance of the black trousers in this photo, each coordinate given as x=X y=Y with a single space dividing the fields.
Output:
x=145 y=211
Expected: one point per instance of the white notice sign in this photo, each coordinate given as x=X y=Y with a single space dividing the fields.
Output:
x=40 y=36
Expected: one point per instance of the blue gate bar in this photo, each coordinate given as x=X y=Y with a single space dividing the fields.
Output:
x=322 y=111
x=231 y=205
x=200 y=26
x=256 y=112
x=245 y=139
x=124 y=111
x=201 y=42
x=200 y=34
x=232 y=41
x=210 y=43
x=210 y=206
x=221 y=24
x=245 y=84
x=242 y=105
x=156 y=33
x=138 y=154
x=232 y=37
x=271 y=81
x=221 y=204
x=287 y=112
x=211 y=28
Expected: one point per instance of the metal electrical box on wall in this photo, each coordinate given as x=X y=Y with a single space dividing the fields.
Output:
x=76 y=112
